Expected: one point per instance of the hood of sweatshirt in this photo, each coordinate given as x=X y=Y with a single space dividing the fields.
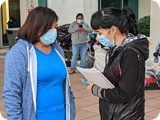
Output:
x=139 y=42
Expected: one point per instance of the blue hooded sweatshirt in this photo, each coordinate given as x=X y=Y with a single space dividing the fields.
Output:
x=20 y=83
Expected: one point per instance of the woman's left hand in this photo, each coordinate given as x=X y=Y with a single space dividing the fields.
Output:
x=90 y=86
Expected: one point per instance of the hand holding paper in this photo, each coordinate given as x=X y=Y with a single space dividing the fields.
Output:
x=96 y=77
x=84 y=82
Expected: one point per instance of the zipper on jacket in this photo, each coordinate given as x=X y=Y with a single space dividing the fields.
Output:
x=28 y=67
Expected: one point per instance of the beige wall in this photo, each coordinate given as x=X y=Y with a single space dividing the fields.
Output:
x=68 y=9
x=24 y=6
x=144 y=8
x=90 y=6
x=154 y=25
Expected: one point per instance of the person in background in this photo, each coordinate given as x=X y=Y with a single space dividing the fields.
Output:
x=79 y=35
x=156 y=54
x=12 y=23
x=36 y=82
x=125 y=64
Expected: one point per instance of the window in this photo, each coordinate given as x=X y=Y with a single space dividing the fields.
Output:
x=42 y=3
x=14 y=13
x=10 y=17
x=132 y=4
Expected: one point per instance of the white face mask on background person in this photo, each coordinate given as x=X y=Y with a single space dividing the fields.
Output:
x=80 y=21
x=49 y=37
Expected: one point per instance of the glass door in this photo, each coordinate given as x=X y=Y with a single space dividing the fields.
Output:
x=132 y=4
x=42 y=3
x=10 y=18
x=111 y=3
x=14 y=14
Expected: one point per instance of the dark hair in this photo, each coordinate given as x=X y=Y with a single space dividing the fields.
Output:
x=79 y=14
x=38 y=22
x=123 y=19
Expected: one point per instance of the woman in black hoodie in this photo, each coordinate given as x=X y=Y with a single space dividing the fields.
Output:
x=125 y=64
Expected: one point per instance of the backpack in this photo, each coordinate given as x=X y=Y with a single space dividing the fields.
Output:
x=64 y=37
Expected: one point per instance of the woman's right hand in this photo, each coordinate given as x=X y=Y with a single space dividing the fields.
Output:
x=90 y=86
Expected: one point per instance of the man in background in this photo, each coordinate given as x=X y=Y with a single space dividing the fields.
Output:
x=79 y=35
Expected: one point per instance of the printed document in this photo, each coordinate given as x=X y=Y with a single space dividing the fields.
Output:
x=96 y=77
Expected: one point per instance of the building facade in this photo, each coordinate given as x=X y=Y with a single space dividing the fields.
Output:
x=66 y=10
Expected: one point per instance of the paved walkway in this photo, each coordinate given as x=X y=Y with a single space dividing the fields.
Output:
x=3 y=52
x=87 y=104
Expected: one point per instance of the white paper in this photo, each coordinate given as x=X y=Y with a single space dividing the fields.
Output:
x=96 y=77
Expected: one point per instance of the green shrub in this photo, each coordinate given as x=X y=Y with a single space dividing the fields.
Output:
x=143 y=25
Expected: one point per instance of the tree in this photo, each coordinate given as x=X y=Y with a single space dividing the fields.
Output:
x=143 y=25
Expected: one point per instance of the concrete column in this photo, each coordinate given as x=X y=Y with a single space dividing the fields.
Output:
x=144 y=8
x=23 y=10
x=89 y=7
x=24 y=6
x=66 y=9
x=154 y=25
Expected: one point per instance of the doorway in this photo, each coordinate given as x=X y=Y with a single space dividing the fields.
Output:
x=42 y=3
x=132 y=4
x=10 y=18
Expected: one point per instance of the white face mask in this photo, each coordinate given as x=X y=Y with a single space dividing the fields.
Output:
x=105 y=41
x=49 y=37
x=80 y=21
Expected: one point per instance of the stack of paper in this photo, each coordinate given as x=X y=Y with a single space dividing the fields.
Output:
x=96 y=77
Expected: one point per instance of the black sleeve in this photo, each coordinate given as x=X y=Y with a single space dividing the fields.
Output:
x=128 y=80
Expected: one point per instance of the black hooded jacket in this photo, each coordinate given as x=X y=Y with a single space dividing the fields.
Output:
x=126 y=70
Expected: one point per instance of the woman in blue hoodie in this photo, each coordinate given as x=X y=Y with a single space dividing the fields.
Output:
x=36 y=85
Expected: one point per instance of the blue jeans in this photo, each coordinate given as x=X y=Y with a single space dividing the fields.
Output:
x=79 y=49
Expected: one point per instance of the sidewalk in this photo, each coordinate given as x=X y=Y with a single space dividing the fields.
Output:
x=87 y=104
x=3 y=52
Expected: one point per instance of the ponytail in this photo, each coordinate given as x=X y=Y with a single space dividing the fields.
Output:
x=132 y=27
x=123 y=19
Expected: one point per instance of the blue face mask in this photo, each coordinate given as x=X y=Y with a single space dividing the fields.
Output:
x=79 y=21
x=105 y=41
x=49 y=37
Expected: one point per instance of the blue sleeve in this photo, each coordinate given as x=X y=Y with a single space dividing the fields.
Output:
x=14 y=75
